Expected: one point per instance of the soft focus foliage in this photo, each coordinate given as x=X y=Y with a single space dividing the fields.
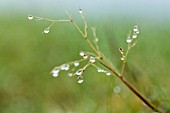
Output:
x=27 y=56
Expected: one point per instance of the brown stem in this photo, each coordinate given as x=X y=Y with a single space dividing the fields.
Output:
x=104 y=63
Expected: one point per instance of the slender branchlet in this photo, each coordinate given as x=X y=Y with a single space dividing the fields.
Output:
x=74 y=68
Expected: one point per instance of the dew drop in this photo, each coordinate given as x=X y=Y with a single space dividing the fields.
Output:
x=55 y=74
x=134 y=36
x=81 y=53
x=70 y=74
x=135 y=29
x=56 y=71
x=100 y=70
x=85 y=56
x=92 y=59
x=65 y=67
x=108 y=73
x=30 y=17
x=80 y=11
x=117 y=89
x=79 y=72
x=76 y=63
x=46 y=30
x=80 y=79
x=122 y=58
x=137 y=32
x=129 y=40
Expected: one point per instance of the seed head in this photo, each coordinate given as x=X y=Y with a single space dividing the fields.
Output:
x=30 y=17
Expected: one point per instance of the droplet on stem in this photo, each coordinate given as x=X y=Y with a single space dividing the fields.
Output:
x=134 y=36
x=129 y=40
x=76 y=63
x=65 y=67
x=92 y=59
x=80 y=11
x=30 y=17
x=80 y=79
x=46 y=30
x=79 y=72
x=108 y=73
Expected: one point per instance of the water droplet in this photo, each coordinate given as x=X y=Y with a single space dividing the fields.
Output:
x=55 y=74
x=108 y=73
x=30 y=17
x=122 y=58
x=80 y=79
x=137 y=32
x=117 y=89
x=76 y=63
x=56 y=70
x=135 y=29
x=80 y=11
x=100 y=70
x=85 y=56
x=129 y=40
x=46 y=30
x=79 y=72
x=92 y=59
x=65 y=67
x=81 y=53
x=134 y=36
x=70 y=74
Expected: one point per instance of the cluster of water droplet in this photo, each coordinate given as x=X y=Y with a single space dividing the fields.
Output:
x=103 y=71
x=134 y=35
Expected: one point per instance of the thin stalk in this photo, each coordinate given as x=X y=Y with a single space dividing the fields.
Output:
x=104 y=63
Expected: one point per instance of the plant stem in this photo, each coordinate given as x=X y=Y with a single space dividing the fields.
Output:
x=104 y=63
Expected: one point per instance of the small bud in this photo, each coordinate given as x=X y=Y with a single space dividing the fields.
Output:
x=84 y=55
x=122 y=58
x=46 y=30
x=100 y=70
x=30 y=17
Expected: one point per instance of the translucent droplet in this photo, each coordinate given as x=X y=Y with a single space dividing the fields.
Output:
x=55 y=74
x=80 y=11
x=129 y=40
x=100 y=70
x=96 y=39
x=117 y=89
x=80 y=79
x=79 y=72
x=30 y=17
x=70 y=74
x=92 y=59
x=122 y=58
x=135 y=29
x=134 y=36
x=76 y=63
x=81 y=53
x=56 y=71
x=46 y=30
x=65 y=67
x=108 y=73
x=85 y=56
x=137 y=32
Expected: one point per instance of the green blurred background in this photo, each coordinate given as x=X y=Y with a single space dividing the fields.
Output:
x=27 y=56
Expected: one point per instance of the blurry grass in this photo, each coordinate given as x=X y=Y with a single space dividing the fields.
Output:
x=27 y=56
